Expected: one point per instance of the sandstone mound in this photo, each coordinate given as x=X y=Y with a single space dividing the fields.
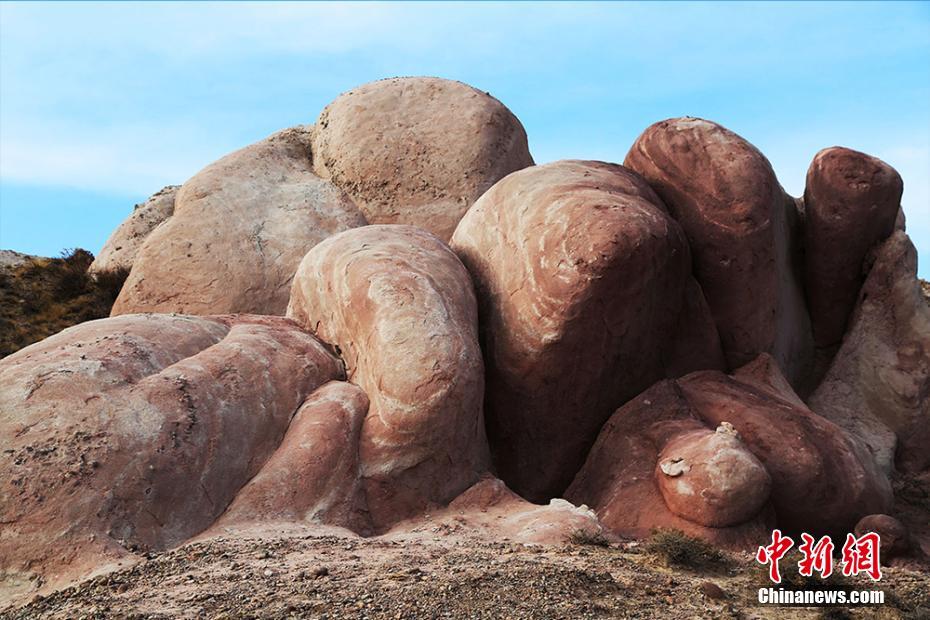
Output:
x=742 y=231
x=634 y=338
x=135 y=432
x=583 y=281
x=653 y=466
x=119 y=252
x=240 y=228
x=398 y=306
x=417 y=150
x=878 y=387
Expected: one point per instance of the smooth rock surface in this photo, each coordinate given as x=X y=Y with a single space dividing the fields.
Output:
x=398 y=306
x=584 y=291
x=313 y=476
x=741 y=228
x=852 y=202
x=240 y=228
x=119 y=252
x=618 y=479
x=710 y=478
x=878 y=387
x=417 y=150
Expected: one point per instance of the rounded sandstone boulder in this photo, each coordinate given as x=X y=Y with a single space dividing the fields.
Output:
x=398 y=306
x=417 y=150
x=852 y=202
x=894 y=536
x=119 y=252
x=584 y=291
x=711 y=478
x=741 y=228
x=135 y=432
x=240 y=228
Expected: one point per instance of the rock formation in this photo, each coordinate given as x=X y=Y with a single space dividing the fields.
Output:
x=135 y=432
x=119 y=252
x=601 y=350
x=878 y=387
x=417 y=151
x=557 y=253
x=398 y=306
x=851 y=204
x=741 y=229
x=240 y=228
x=650 y=466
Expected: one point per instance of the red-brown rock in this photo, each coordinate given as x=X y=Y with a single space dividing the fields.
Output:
x=740 y=226
x=135 y=432
x=878 y=387
x=620 y=482
x=852 y=202
x=399 y=307
x=584 y=292
x=823 y=481
x=240 y=228
x=895 y=539
x=417 y=150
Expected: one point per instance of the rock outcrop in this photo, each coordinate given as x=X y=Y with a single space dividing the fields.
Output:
x=119 y=252
x=417 y=151
x=240 y=228
x=878 y=387
x=656 y=464
x=135 y=432
x=851 y=203
x=313 y=476
x=582 y=281
x=741 y=228
x=398 y=306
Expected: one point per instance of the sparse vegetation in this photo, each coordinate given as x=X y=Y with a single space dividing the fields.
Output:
x=678 y=549
x=588 y=537
x=43 y=296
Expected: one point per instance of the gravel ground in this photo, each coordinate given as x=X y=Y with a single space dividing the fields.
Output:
x=329 y=577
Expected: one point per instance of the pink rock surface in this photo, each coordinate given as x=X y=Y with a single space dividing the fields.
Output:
x=313 y=476
x=852 y=202
x=878 y=387
x=584 y=292
x=135 y=432
x=490 y=510
x=417 y=150
x=240 y=228
x=741 y=229
x=399 y=307
x=119 y=252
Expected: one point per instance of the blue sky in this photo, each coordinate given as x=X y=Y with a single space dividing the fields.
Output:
x=103 y=104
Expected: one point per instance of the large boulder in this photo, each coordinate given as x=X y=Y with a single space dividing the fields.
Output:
x=119 y=252
x=742 y=230
x=135 y=432
x=623 y=477
x=313 y=476
x=655 y=463
x=878 y=387
x=399 y=308
x=417 y=150
x=823 y=480
x=585 y=298
x=240 y=228
x=851 y=203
